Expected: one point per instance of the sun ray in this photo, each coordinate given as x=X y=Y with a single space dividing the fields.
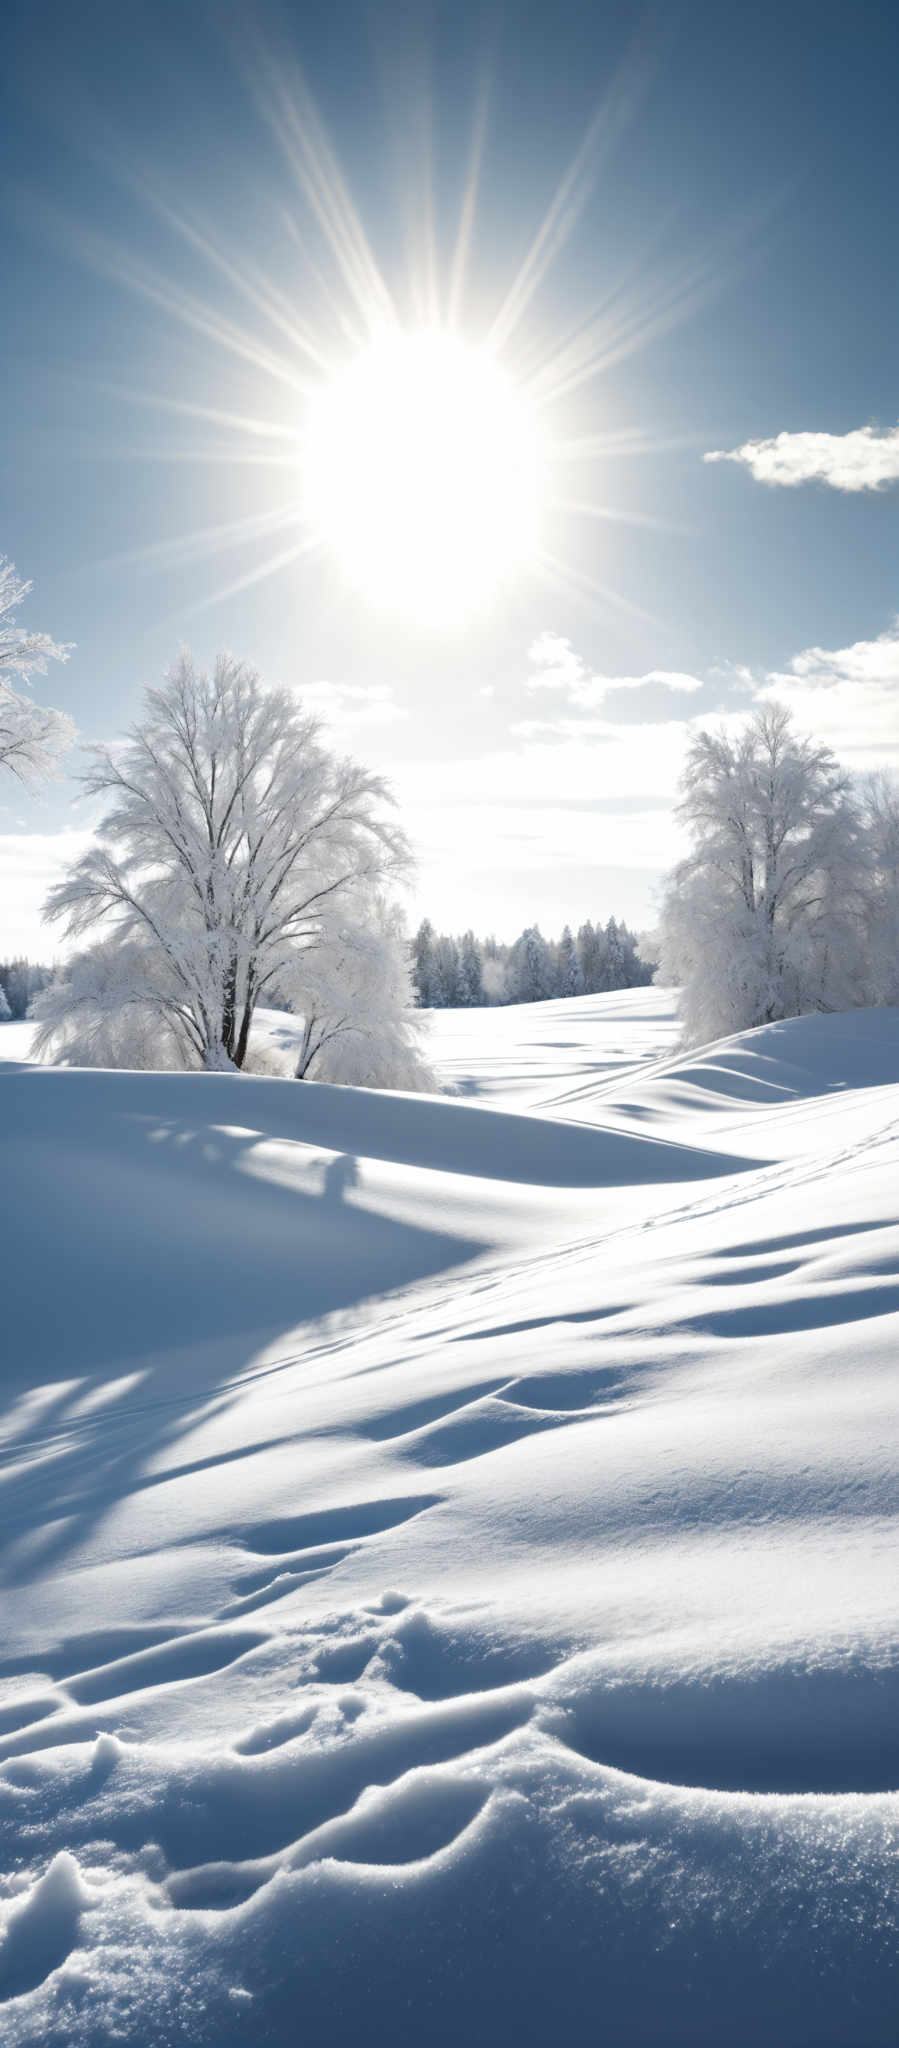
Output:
x=629 y=441
x=205 y=541
x=286 y=104
x=633 y=275
x=464 y=232
x=564 y=577
x=185 y=408
x=264 y=297
x=109 y=259
x=612 y=117
x=415 y=180
x=447 y=487
x=630 y=321
x=652 y=522
x=270 y=567
x=206 y=454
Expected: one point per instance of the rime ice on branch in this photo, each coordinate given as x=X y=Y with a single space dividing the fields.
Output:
x=32 y=736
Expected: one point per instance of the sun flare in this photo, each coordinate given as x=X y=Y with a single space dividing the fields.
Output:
x=421 y=475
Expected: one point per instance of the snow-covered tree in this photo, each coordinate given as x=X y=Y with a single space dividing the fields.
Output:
x=472 y=971
x=880 y=810
x=591 y=954
x=570 y=977
x=646 y=949
x=32 y=736
x=762 y=919
x=613 y=968
x=423 y=970
x=22 y=980
x=446 y=989
x=622 y=966
x=471 y=980
x=231 y=832
x=494 y=977
x=353 y=990
x=5 y=1011
x=532 y=976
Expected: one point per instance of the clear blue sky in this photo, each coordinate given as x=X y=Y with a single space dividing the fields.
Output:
x=733 y=231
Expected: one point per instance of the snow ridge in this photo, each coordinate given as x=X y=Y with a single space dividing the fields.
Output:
x=449 y=1550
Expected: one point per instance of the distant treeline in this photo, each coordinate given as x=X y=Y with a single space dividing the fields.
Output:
x=20 y=980
x=451 y=973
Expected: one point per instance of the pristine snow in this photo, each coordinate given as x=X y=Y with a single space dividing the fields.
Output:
x=450 y=1566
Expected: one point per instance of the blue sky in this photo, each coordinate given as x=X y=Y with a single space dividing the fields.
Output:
x=730 y=232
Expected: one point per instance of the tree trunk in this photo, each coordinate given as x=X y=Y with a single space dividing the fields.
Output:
x=229 y=1011
x=306 y=1054
x=243 y=1036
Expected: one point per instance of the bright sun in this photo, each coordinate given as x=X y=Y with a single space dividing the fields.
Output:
x=421 y=472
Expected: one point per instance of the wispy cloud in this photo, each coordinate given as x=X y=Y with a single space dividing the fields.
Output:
x=865 y=460
x=556 y=666
x=341 y=704
x=847 y=696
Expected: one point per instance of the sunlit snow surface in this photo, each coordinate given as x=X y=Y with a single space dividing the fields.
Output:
x=451 y=1587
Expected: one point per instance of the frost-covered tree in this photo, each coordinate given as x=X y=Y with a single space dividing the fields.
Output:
x=570 y=978
x=471 y=979
x=471 y=971
x=622 y=966
x=231 y=832
x=32 y=736
x=762 y=919
x=353 y=990
x=590 y=951
x=111 y=1005
x=446 y=986
x=880 y=810
x=423 y=970
x=646 y=951
x=494 y=978
x=22 y=980
x=532 y=974
x=613 y=966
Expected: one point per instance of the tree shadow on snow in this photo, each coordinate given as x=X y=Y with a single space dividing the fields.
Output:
x=149 y=1261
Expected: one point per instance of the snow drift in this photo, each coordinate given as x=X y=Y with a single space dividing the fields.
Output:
x=449 y=1545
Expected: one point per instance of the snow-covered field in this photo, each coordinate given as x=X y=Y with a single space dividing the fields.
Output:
x=450 y=1577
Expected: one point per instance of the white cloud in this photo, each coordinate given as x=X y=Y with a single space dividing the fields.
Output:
x=352 y=703
x=864 y=460
x=29 y=864
x=848 y=697
x=501 y=864
x=556 y=666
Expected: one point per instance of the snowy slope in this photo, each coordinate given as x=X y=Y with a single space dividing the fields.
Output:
x=533 y=1053
x=450 y=1545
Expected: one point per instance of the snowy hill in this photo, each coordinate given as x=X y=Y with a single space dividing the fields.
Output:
x=450 y=1544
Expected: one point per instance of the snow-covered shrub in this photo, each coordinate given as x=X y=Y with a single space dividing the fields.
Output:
x=353 y=990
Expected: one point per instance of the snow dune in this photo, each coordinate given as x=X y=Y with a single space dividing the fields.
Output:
x=450 y=1545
